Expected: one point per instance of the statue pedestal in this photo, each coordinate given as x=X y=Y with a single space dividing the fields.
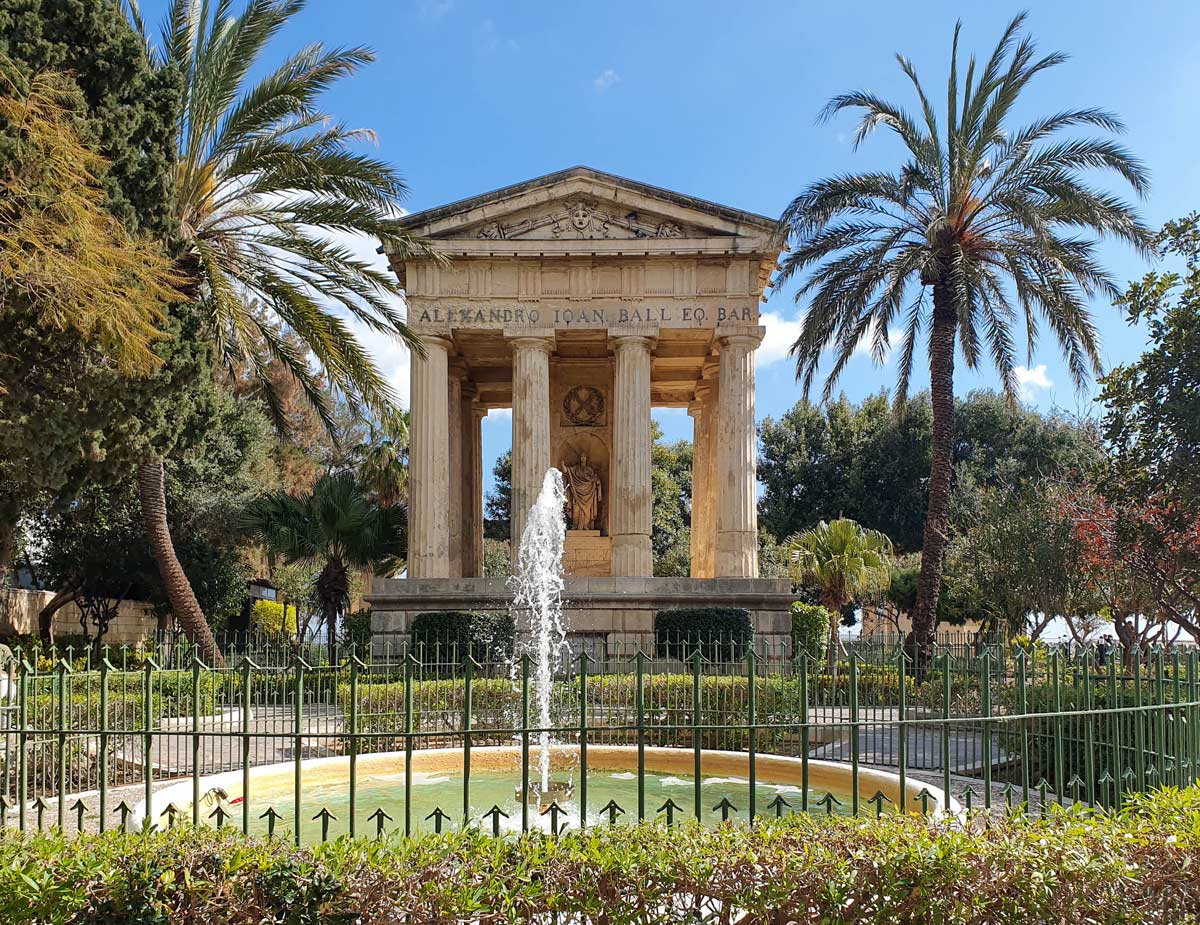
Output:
x=587 y=554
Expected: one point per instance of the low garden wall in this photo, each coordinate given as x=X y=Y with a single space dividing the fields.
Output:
x=19 y=609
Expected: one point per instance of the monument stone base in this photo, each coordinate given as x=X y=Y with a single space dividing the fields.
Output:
x=619 y=609
x=587 y=554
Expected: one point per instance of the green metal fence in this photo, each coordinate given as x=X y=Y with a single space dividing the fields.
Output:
x=81 y=745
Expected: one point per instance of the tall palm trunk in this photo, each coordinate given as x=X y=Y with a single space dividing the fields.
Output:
x=937 y=516
x=153 y=497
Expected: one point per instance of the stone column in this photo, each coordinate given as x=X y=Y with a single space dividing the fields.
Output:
x=472 y=480
x=737 y=519
x=703 y=535
x=428 y=481
x=530 y=424
x=630 y=493
x=454 y=465
x=712 y=405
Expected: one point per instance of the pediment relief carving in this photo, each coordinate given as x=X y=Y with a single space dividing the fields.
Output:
x=581 y=218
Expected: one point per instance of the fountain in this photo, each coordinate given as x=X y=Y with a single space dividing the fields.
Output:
x=420 y=786
x=537 y=613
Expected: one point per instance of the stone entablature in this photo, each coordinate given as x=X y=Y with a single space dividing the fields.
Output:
x=581 y=300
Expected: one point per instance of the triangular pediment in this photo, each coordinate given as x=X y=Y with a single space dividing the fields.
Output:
x=585 y=204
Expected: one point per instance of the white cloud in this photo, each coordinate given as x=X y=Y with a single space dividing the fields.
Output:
x=605 y=79
x=1031 y=381
x=781 y=334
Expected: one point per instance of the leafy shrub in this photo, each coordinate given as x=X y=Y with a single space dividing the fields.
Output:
x=439 y=704
x=1135 y=867
x=268 y=616
x=446 y=637
x=810 y=629
x=358 y=630
x=720 y=633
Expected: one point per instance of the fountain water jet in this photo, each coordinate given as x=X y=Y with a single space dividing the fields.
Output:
x=537 y=603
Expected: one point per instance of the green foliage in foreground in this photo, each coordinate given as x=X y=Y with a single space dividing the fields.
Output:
x=1138 y=867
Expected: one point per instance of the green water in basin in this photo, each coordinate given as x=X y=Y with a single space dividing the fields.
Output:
x=432 y=791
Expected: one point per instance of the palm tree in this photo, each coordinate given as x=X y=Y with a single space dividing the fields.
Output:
x=991 y=218
x=845 y=561
x=382 y=461
x=266 y=185
x=336 y=526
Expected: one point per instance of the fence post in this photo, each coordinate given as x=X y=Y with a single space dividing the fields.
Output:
x=640 y=696
x=105 y=667
x=804 y=732
x=946 y=696
x=298 y=784
x=985 y=678
x=468 y=678
x=147 y=721
x=902 y=727
x=63 y=670
x=247 y=683
x=1019 y=660
x=752 y=730
x=855 y=744
x=1056 y=680
x=1139 y=728
x=1116 y=717
x=23 y=669
x=583 y=737
x=409 y=663
x=1089 y=734
x=696 y=733
x=196 y=666
x=525 y=742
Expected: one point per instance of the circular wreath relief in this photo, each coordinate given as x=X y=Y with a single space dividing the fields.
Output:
x=583 y=405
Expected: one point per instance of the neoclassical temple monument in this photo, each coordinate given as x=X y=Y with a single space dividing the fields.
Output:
x=581 y=300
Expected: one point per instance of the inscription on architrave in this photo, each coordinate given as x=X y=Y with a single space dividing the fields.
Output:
x=536 y=315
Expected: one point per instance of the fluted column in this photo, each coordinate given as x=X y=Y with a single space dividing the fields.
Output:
x=429 y=525
x=631 y=496
x=454 y=465
x=472 y=479
x=712 y=412
x=737 y=519
x=530 y=425
x=703 y=534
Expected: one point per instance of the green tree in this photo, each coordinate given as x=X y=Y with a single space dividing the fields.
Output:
x=671 y=483
x=864 y=461
x=95 y=545
x=1149 y=485
x=266 y=183
x=1018 y=552
x=64 y=413
x=336 y=526
x=845 y=561
x=989 y=216
x=872 y=464
x=497 y=518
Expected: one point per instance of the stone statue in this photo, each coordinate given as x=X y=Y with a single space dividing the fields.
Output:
x=583 y=495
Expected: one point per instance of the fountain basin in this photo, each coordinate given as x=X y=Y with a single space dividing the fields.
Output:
x=437 y=776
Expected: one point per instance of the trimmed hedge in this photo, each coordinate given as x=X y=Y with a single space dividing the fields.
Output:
x=810 y=629
x=1137 y=867
x=719 y=632
x=445 y=637
x=438 y=706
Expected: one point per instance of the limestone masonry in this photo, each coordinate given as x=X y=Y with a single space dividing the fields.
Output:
x=581 y=300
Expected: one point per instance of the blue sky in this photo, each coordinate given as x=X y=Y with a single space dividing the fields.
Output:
x=720 y=100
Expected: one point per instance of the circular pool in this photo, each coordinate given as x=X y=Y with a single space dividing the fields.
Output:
x=437 y=783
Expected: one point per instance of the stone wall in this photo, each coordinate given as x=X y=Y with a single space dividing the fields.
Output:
x=135 y=620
